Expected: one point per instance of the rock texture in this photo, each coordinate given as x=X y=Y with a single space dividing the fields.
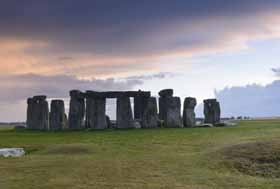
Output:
x=140 y=103
x=212 y=111
x=58 y=121
x=150 y=115
x=188 y=112
x=124 y=113
x=108 y=122
x=173 y=117
x=37 y=113
x=95 y=114
x=77 y=110
x=164 y=94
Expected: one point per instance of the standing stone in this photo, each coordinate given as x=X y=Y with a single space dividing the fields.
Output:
x=124 y=113
x=77 y=110
x=89 y=113
x=108 y=122
x=164 y=94
x=100 y=113
x=140 y=103
x=95 y=113
x=212 y=111
x=188 y=112
x=173 y=117
x=150 y=116
x=30 y=107
x=37 y=113
x=57 y=115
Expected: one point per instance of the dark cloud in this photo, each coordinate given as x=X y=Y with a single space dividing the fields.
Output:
x=19 y=87
x=161 y=75
x=276 y=71
x=126 y=27
x=251 y=100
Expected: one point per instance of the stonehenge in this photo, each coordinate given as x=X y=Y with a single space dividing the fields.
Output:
x=212 y=111
x=188 y=112
x=87 y=110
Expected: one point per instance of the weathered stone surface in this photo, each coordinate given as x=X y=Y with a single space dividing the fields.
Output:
x=76 y=110
x=11 y=152
x=57 y=115
x=166 y=93
x=150 y=116
x=162 y=108
x=188 y=112
x=212 y=111
x=116 y=94
x=37 y=113
x=108 y=122
x=124 y=113
x=140 y=103
x=100 y=113
x=173 y=117
x=40 y=97
x=95 y=114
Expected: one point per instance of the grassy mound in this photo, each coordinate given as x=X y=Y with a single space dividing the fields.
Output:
x=255 y=159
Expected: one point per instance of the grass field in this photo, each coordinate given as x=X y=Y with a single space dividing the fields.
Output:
x=157 y=158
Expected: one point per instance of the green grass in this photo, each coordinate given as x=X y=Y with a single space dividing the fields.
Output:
x=157 y=158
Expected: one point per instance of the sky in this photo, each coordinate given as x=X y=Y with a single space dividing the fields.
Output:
x=202 y=48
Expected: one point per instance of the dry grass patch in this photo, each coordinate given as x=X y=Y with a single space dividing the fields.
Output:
x=255 y=159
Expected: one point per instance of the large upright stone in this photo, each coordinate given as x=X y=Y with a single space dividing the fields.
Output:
x=124 y=113
x=173 y=117
x=188 y=112
x=164 y=94
x=89 y=112
x=76 y=110
x=95 y=113
x=212 y=111
x=150 y=115
x=140 y=103
x=57 y=116
x=37 y=113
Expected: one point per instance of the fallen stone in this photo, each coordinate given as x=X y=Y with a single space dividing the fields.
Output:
x=11 y=152
x=204 y=125
x=19 y=127
x=225 y=124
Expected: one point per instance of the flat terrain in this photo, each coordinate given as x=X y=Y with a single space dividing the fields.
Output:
x=159 y=158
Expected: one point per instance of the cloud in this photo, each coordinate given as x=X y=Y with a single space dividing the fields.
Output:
x=109 y=38
x=251 y=100
x=276 y=71
x=161 y=75
x=19 y=87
